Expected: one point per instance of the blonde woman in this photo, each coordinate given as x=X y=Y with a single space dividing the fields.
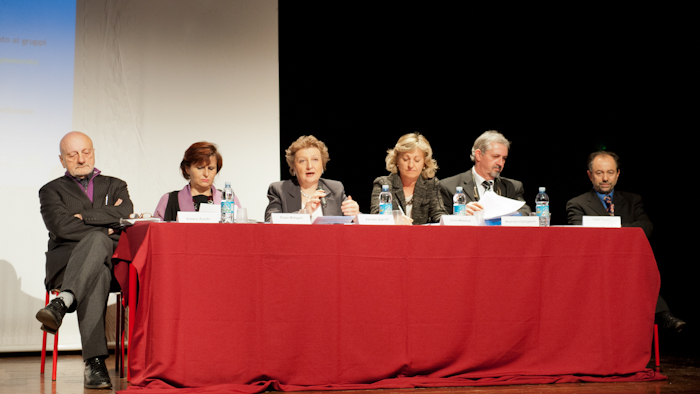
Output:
x=412 y=182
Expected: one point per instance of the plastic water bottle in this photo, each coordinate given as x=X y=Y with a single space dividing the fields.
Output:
x=385 y=206
x=228 y=206
x=459 y=202
x=542 y=207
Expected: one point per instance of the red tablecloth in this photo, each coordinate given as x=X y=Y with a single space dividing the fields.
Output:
x=252 y=307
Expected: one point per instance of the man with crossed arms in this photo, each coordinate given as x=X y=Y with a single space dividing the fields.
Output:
x=81 y=210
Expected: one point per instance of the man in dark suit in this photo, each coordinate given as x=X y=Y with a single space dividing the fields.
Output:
x=603 y=200
x=489 y=155
x=81 y=210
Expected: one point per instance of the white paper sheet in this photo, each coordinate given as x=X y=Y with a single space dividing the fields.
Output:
x=496 y=206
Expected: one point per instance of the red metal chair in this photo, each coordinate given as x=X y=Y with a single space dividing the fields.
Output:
x=657 y=361
x=119 y=338
x=55 y=344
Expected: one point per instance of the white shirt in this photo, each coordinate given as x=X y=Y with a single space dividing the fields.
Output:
x=479 y=180
x=317 y=213
x=409 y=207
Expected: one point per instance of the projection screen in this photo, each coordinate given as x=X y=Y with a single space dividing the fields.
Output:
x=144 y=79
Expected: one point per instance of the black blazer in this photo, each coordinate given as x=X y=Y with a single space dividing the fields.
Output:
x=503 y=186
x=628 y=206
x=61 y=199
x=427 y=204
x=285 y=197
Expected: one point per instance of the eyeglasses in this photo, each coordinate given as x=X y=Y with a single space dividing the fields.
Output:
x=140 y=216
x=87 y=153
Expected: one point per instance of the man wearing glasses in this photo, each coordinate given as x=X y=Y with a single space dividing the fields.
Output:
x=81 y=210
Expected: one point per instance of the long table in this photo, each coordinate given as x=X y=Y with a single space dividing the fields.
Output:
x=254 y=307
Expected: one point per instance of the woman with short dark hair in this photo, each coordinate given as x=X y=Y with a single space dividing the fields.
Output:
x=200 y=165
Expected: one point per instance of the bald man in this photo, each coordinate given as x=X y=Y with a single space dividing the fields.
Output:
x=81 y=210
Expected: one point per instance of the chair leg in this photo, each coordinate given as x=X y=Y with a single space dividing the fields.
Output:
x=43 y=342
x=122 y=335
x=117 y=351
x=55 y=346
x=657 y=361
x=55 y=356
x=133 y=296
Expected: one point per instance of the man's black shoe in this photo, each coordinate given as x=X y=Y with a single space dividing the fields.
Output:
x=50 y=331
x=52 y=315
x=670 y=323
x=96 y=375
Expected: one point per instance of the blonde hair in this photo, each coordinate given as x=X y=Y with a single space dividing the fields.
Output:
x=409 y=143
x=305 y=142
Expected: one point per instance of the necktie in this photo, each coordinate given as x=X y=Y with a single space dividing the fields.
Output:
x=609 y=206
x=486 y=185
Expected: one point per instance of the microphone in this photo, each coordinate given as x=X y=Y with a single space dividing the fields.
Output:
x=323 y=199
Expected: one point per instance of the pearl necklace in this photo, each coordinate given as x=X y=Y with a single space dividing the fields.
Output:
x=304 y=194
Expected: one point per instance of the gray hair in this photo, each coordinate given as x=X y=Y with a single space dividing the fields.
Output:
x=486 y=141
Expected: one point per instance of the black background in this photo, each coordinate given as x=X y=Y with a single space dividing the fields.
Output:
x=559 y=83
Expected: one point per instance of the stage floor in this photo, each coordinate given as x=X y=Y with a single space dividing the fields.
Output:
x=19 y=373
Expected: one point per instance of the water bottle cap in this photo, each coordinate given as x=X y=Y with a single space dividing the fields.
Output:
x=228 y=184
x=542 y=189
x=459 y=189
x=385 y=188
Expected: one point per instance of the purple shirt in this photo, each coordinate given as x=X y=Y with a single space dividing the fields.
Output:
x=90 y=189
x=184 y=200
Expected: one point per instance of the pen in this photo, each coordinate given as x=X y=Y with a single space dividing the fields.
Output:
x=107 y=199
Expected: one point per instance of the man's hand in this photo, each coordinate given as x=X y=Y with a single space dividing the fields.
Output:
x=473 y=207
x=109 y=231
x=116 y=204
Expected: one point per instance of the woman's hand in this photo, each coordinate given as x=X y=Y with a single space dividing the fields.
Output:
x=314 y=201
x=404 y=220
x=350 y=207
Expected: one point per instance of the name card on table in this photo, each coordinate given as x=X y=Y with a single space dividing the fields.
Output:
x=333 y=220
x=602 y=221
x=198 y=217
x=520 y=221
x=290 y=218
x=458 y=220
x=210 y=208
x=375 y=219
